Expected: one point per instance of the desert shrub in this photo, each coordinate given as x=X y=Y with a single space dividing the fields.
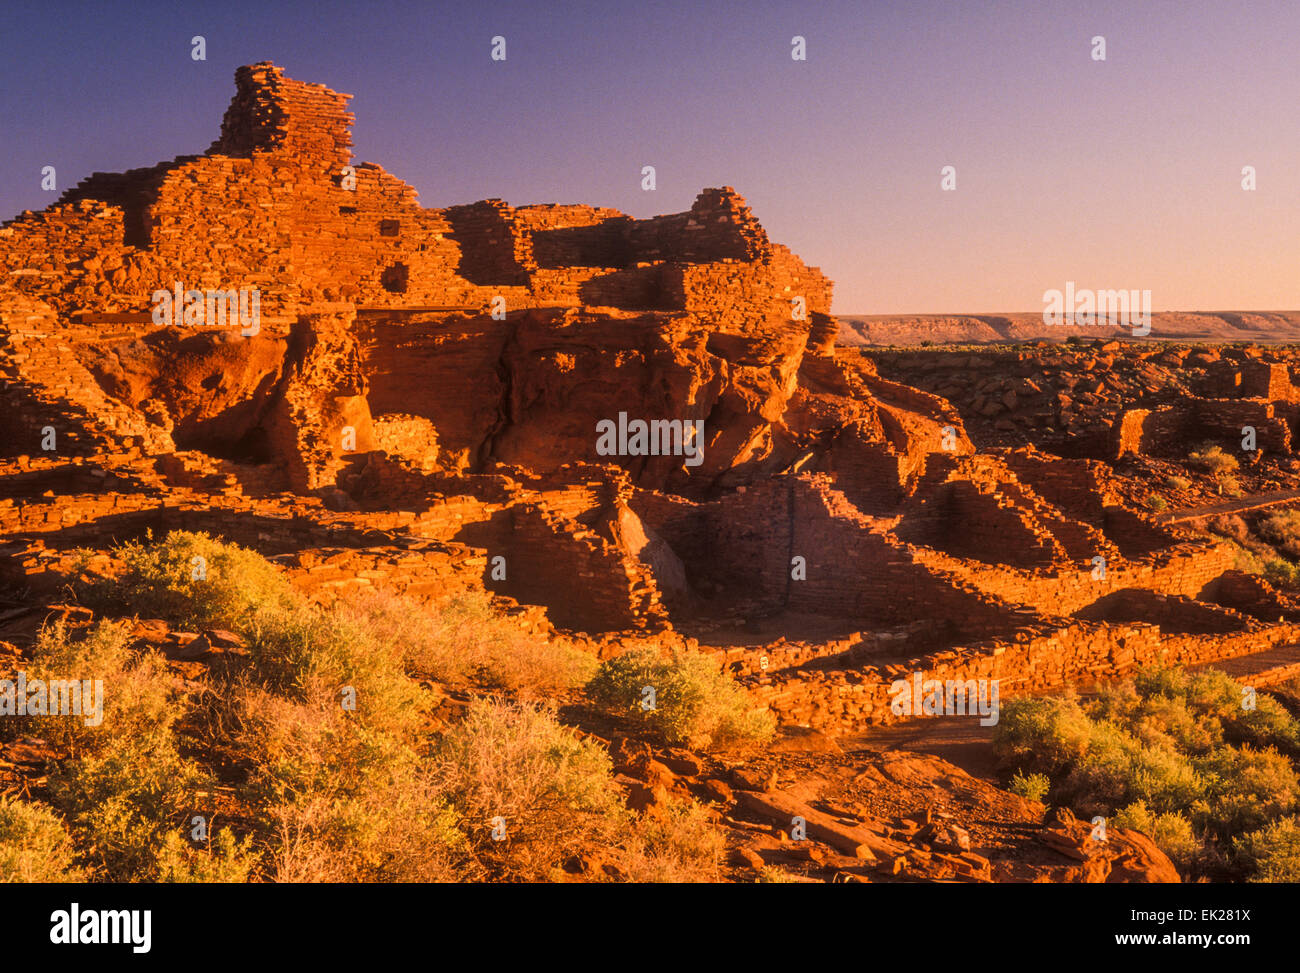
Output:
x=1246 y=558
x=771 y=875
x=1281 y=573
x=331 y=657
x=1271 y=853
x=35 y=845
x=140 y=698
x=1211 y=458
x=1282 y=530
x=1118 y=770
x=1230 y=526
x=1268 y=725
x=1204 y=709
x=1177 y=751
x=123 y=800
x=123 y=786
x=1157 y=503
x=1170 y=708
x=464 y=641
x=159 y=582
x=405 y=841
x=1042 y=734
x=1178 y=482
x=342 y=795
x=694 y=701
x=1033 y=787
x=552 y=791
x=1246 y=788
x=347 y=795
x=223 y=859
x=1171 y=832
x=678 y=843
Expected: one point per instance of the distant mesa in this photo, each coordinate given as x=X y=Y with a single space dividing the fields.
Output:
x=945 y=329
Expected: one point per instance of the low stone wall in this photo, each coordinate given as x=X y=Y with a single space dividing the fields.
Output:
x=842 y=701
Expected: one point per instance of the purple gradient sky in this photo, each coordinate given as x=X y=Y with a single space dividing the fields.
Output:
x=1122 y=174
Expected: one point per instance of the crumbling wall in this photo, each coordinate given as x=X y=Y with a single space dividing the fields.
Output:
x=1043 y=657
x=718 y=226
x=320 y=414
x=586 y=582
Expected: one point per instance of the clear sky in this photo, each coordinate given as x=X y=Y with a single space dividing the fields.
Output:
x=1123 y=173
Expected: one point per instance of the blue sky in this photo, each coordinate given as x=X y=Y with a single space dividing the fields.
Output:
x=1122 y=173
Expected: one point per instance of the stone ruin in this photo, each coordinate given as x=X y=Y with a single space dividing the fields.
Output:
x=419 y=405
x=1253 y=394
x=1111 y=400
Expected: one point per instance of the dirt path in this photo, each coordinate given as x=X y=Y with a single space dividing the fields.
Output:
x=1273 y=661
x=958 y=739
x=1257 y=501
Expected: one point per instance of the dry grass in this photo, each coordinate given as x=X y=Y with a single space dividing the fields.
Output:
x=1211 y=458
x=466 y=642
x=515 y=768
x=1282 y=530
x=677 y=844
x=341 y=776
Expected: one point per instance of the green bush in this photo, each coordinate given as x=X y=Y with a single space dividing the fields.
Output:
x=123 y=801
x=1281 y=573
x=1118 y=770
x=1246 y=560
x=1246 y=788
x=1176 y=751
x=1042 y=734
x=1032 y=788
x=123 y=785
x=34 y=845
x=305 y=653
x=1171 y=832
x=141 y=700
x=694 y=701
x=1272 y=853
x=159 y=581
x=223 y=859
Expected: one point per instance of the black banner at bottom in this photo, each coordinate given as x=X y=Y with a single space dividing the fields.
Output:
x=147 y=923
